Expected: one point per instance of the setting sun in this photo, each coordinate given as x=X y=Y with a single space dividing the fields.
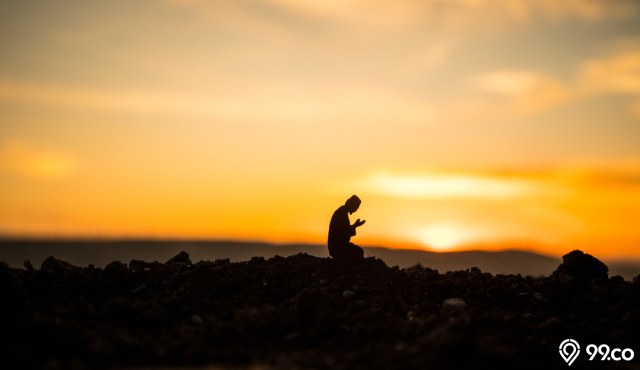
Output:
x=444 y=237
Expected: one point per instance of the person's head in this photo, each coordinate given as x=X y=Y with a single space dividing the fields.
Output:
x=352 y=204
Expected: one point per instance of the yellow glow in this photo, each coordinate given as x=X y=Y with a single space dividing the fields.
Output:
x=16 y=156
x=443 y=237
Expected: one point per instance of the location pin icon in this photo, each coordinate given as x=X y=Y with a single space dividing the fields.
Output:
x=569 y=350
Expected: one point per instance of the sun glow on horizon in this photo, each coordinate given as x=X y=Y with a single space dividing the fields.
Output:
x=443 y=237
x=449 y=235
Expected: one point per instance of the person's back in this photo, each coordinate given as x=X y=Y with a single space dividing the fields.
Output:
x=341 y=231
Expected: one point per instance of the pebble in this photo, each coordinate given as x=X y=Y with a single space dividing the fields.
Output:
x=454 y=303
x=348 y=293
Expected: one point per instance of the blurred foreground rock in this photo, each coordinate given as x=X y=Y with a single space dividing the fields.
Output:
x=306 y=312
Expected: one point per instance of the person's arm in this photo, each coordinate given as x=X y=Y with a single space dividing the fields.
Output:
x=352 y=228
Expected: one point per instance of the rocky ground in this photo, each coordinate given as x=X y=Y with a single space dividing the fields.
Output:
x=309 y=312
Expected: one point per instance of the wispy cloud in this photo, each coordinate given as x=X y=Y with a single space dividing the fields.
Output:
x=446 y=185
x=283 y=103
x=619 y=73
x=559 y=181
x=444 y=10
x=448 y=13
x=530 y=91
x=74 y=97
x=527 y=91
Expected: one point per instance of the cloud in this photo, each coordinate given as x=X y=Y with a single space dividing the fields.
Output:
x=582 y=9
x=451 y=15
x=329 y=38
x=558 y=181
x=507 y=10
x=284 y=103
x=615 y=74
x=497 y=14
x=621 y=172
x=137 y=101
x=446 y=185
x=531 y=91
x=618 y=73
x=18 y=157
x=527 y=91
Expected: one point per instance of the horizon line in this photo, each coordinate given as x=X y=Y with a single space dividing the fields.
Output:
x=221 y=240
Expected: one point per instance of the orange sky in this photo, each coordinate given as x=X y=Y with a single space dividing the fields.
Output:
x=486 y=124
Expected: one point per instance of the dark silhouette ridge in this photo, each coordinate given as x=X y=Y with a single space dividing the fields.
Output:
x=102 y=252
x=341 y=230
x=304 y=312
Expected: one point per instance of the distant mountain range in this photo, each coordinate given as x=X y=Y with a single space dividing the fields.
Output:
x=100 y=253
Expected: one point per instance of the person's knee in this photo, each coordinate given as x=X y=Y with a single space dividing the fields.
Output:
x=356 y=251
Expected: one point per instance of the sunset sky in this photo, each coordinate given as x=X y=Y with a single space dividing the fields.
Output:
x=486 y=124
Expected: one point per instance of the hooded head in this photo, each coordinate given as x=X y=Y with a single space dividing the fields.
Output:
x=352 y=204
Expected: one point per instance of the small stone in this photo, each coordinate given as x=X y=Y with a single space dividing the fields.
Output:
x=116 y=268
x=196 y=319
x=139 y=288
x=348 y=293
x=400 y=346
x=454 y=303
x=27 y=265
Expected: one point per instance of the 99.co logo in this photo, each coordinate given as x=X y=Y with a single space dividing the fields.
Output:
x=570 y=350
x=615 y=354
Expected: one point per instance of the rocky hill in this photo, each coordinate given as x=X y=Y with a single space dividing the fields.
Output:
x=308 y=312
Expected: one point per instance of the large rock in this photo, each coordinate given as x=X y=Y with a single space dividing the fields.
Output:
x=115 y=273
x=182 y=257
x=54 y=265
x=581 y=267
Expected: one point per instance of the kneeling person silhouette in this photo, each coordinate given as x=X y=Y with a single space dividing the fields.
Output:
x=341 y=231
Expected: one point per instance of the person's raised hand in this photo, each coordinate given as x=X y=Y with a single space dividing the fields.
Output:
x=359 y=223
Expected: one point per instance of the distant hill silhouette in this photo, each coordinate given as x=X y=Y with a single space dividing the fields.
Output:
x=100 y=253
